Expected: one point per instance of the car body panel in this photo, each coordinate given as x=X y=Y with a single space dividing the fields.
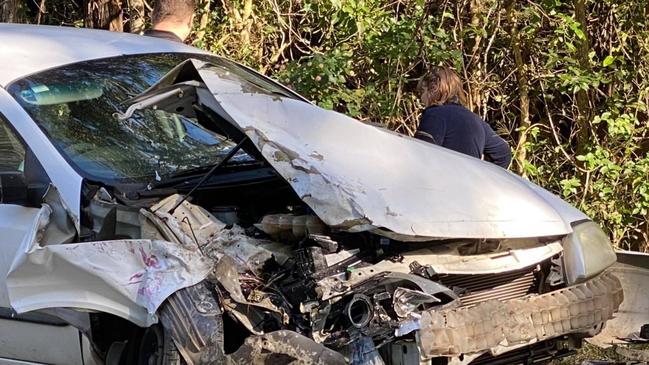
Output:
x=21 y=337
x=17 y=362
x=15 y=223
x=35 y=343
x=421 y=190
x=27 y=48
x=127 y=278
x=418 y=190
x=632 y=269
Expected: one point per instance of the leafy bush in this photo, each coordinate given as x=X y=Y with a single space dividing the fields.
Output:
x=578 y=67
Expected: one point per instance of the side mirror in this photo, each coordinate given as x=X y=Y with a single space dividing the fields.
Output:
x=13 y=188
x=24 y=188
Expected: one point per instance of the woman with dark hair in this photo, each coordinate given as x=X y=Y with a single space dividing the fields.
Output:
x=447 y=123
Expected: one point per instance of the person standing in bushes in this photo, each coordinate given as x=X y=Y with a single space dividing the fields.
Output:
x=448 y=123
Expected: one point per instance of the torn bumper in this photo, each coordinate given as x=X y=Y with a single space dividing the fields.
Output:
x=498 y=325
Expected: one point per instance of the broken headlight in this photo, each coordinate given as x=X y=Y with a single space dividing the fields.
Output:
x=587 y=251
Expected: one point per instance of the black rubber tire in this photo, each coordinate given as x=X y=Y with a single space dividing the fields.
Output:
x=157 y=348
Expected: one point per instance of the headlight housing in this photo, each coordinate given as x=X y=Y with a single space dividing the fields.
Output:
x=587 y=251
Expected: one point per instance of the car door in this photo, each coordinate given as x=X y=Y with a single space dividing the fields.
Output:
x=33 y=337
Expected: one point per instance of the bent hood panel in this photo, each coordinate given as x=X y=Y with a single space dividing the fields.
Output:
x=352 y=174
x=358 y=177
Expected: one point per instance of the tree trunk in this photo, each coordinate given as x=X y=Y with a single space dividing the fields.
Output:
x=241 y=16
x=136 y=16
x=523 y=89
x=477 y=10
x=583 y=99
x=104 y=14
x=41 y=12
x=204 y=9
x=9 y=11
x=246 y=22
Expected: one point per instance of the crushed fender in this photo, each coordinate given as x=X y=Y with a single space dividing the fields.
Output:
x=128 y=278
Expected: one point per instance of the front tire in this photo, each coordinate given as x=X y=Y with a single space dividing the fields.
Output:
x=157 y=348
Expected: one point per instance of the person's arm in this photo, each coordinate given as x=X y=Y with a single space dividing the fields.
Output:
x=432 y=128
x=496 y=149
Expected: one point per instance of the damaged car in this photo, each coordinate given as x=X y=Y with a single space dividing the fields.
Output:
x=162 y=205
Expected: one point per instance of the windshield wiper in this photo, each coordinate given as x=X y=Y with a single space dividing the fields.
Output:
x=184 y=176
x=211 y=172
x=183 y=173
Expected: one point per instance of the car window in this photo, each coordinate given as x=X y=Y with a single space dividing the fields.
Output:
x=76 y=107
x=12 y=151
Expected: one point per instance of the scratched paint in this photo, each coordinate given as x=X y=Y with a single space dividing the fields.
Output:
x=128 y=278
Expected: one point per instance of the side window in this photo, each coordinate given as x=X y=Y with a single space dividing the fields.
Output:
x=12 y=151
x=14 y=157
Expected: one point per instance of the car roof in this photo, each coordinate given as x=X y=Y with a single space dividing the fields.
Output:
x=28 y=49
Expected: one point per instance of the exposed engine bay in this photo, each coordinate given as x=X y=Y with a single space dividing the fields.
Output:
x=279 y=282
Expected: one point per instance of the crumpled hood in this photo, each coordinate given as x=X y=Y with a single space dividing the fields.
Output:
x=359 y=177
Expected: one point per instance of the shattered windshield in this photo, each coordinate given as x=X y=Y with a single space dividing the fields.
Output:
x=75 y=105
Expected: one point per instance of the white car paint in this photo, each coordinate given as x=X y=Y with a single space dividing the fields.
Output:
x=127 y=278
x=15 y=221
x=416 y=189
x=27 y=49
x=46 y=344
x=632 y=269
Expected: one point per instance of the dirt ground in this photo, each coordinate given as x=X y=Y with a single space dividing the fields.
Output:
x=590 y=352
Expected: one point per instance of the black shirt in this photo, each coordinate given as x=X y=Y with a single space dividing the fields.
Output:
x=162 y=34
x=455 y=127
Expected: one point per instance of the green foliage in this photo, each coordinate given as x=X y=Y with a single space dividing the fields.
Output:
x=362 y=57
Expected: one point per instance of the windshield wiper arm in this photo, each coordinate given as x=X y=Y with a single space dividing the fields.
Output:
x=185 y=173
x=208 y=174
x=184 y=176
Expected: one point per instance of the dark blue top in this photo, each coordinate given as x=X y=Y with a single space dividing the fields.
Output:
x=456 y=127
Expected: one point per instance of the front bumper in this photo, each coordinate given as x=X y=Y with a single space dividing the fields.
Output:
x=498 y=326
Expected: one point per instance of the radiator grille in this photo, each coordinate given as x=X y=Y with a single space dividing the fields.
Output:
x=503 y=286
